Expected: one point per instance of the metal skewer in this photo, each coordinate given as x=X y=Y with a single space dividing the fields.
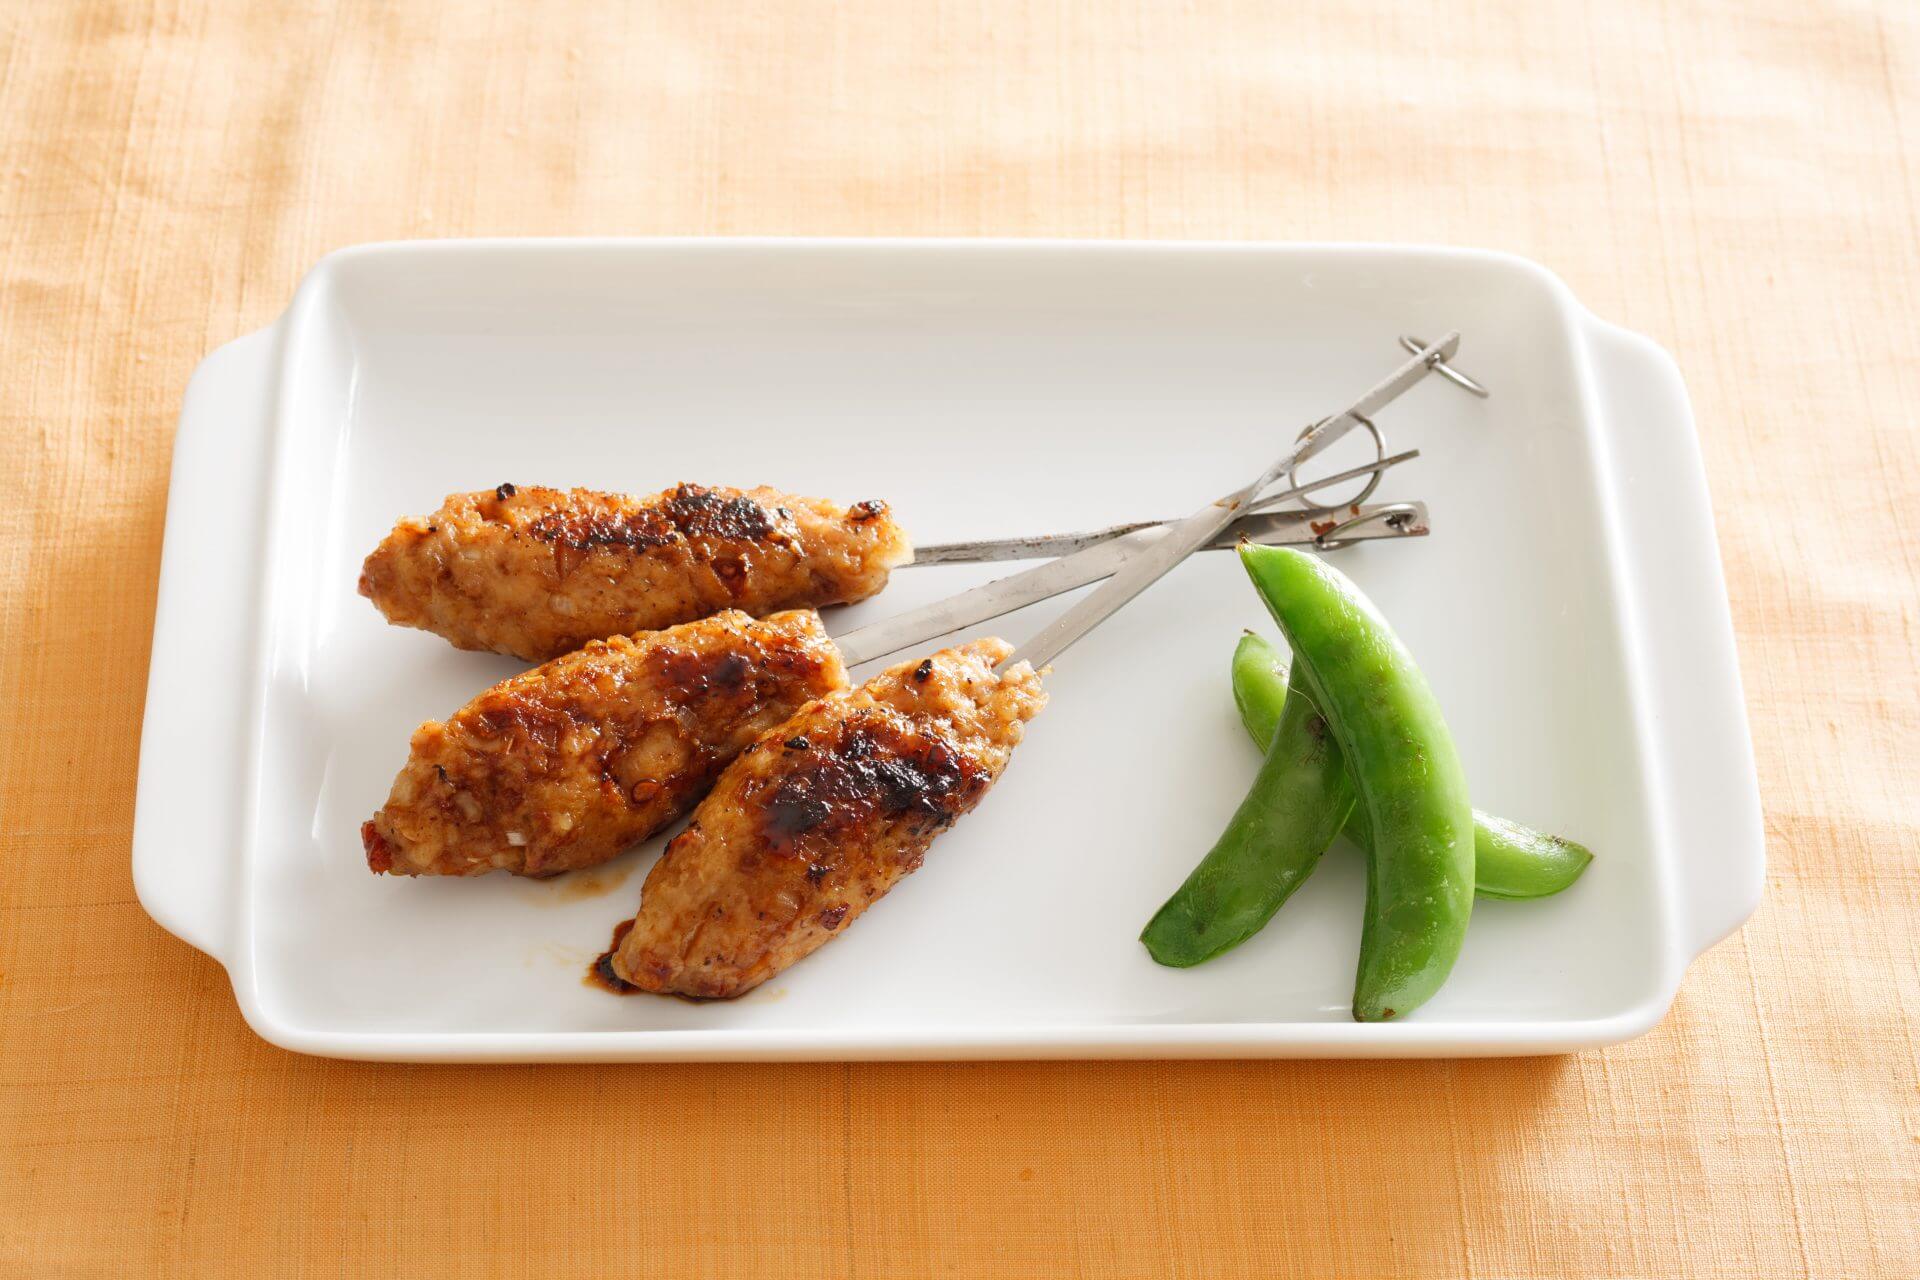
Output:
x=1062 y=544
x=1101 y=560
x=1107 y=553
x=1182 y=539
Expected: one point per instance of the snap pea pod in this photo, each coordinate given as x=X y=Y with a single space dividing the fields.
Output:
x=1405 y=770
x=1275 y=838
x=1510 y=860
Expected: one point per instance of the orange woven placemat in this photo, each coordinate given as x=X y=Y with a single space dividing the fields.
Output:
x=1738 y=179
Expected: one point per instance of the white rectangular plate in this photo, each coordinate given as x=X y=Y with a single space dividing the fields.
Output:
x=1568 y=609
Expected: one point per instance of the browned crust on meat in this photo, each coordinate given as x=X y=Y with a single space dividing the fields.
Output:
x=536 y=572
x=820 y=818
x=564 y=766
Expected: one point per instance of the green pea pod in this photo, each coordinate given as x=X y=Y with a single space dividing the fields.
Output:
x=1275 y=838
x=1405 y=770
x=1515 y=861
x=1510 y=860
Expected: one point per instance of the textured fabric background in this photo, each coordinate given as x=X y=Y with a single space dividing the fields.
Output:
x=1738 y=179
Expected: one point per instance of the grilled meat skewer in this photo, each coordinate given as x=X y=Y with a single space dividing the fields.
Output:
x=565 y=765
x=535 y=573
x=819 y=818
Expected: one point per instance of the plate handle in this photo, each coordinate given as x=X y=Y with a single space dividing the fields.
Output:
x=197 y=737
x=1704 y=767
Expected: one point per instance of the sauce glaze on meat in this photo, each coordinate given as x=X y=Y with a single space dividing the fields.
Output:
x=536 y=573
x=820 y=818
x=564 y=766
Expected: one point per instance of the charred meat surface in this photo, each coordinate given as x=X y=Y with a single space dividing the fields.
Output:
x=565 y=765
x=536 y=573
x=820 y=818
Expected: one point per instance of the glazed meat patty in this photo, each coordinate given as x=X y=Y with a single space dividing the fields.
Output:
x=820 y=818
x=565 y=765
x=536 y=573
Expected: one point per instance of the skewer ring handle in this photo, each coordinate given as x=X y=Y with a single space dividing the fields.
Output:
x=1366 y=491
x=1395 y=515
x=1414 y=346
